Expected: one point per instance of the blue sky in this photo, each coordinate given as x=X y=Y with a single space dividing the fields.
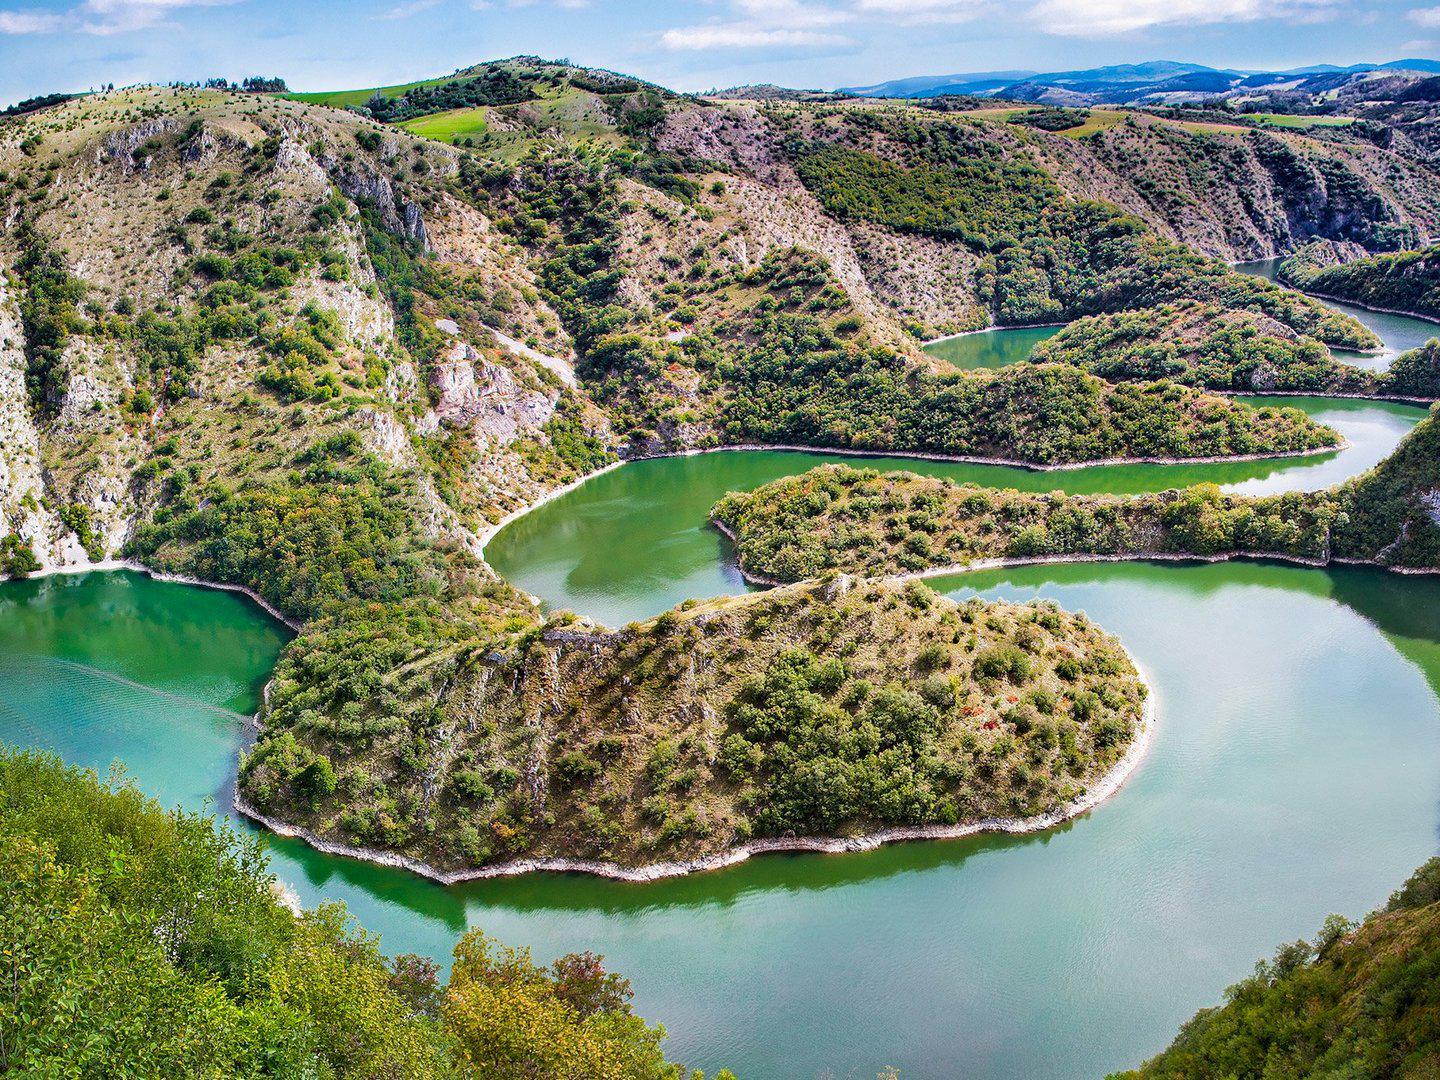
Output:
x=50 y=45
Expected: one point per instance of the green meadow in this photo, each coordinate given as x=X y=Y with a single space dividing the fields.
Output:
x=448 y=125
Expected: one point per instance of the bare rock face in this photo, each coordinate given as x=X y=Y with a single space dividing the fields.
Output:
x=1430 y=503
x=368 y=321
x=22 y=484
x=471 y=392
x=1324 y=253
x=401 y=384
x=85 y=394
x=386 y=438
x=735 y=134
x=412 y=224
x=295 y=160
x=120 y=146
x=360 y=182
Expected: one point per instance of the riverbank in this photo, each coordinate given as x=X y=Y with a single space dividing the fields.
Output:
x=990 y=330
x=968 y=459
x=491 y=531
x=1104 y=788
x=1399 y=399
x=101 y=566
x=1364 y=307
x=955 y=569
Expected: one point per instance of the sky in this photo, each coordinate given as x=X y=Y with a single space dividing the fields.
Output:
x=68 y=45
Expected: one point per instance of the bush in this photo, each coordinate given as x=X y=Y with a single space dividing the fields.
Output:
x=1003 y=662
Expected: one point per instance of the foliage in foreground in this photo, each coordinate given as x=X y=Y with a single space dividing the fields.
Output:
x=1356 y=1002
x=157 y=939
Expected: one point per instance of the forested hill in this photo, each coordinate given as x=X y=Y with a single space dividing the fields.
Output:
x=840 y=519
x=1406 y=281
x=319 y=348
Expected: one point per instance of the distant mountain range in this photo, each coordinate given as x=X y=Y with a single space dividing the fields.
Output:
x=1156 y=81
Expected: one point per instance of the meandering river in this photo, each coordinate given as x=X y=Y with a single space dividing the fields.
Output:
x=1397 y=333
x=999 y=348
x=1293 y=774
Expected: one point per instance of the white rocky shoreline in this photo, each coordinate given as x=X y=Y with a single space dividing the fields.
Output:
x=99 y=566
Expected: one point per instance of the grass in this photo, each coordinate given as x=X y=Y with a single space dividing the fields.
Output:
x=448 y=125
x=1200 y=127
x=338 y=99
x=1099 y=120
x=1283 y=120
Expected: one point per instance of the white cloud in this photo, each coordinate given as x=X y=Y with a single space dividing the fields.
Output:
x=1098 y=18
x=765 y=23
x=28 y=22
x=913 y=12
x=1426 y=16
x=102 y=17
x=406 y=10
x=744 y=36
x=791 y=14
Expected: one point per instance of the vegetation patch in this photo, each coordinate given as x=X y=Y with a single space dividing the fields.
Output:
x=1358 y=1000
x=1406 y=281
x=159 y=939
x=829 y=710
x=841 y=519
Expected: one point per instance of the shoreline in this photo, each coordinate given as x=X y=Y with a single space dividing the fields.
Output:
x=491 y=531
x=973 y=459
x=1006 y=562
x=1401 y=399
x=107 y=566
x=991 y=329
x=1364 y=307
x=1105 y=786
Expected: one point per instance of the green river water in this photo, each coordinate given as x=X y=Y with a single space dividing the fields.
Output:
x=999 y=348
x=1294 y=773
x=1399 y=333
x=990 y=348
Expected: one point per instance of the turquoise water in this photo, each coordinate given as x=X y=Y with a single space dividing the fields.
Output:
x=991 y=348
x=1293 y=773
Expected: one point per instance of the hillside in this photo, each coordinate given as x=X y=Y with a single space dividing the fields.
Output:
x=840 y=519
x=1357 y=1001
x=159 y=939
x=1225 y=349
x=1407 y=281
x=828 y=711
x=289 y=347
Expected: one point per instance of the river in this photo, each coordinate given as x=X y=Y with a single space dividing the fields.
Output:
x=1398 y=333
x=1000 y=348
x=1293 y=774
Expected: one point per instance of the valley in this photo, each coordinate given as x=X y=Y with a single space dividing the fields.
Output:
x=450 y=375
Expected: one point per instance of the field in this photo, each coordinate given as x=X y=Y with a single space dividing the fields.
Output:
x=338 y=99
x=1099 y=119
x=1283 y=120
x=448 y=125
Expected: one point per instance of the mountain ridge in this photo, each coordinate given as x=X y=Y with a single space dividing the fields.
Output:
x=1145 y=79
